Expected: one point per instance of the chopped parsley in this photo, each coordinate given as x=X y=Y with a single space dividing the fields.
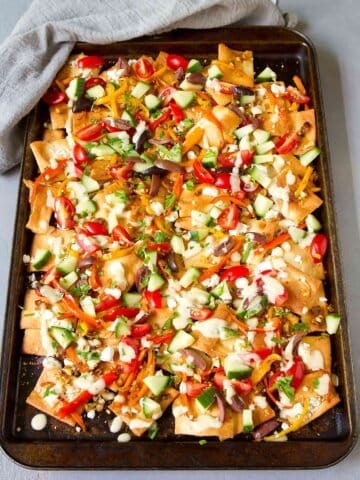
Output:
x=300 y=327
x=153 y=431
x=170 y=201
x=190 y=185
x=284 y=384
x=280 y=312
x=202 y=442
x=316 y=383
x=160 y=237
x=81 y=290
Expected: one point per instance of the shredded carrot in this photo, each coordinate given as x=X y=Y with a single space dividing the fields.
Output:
x=127 y=384
x=171 y=134
x=238 y=322
x=205 y=96
x=229 y=198
x=192 y=138
x=184 y=400
x=78 y=313
x=161 y=226
x=210 y=271
x=275 y=242
x=118 y=253
x=78 y=420
x=177 y=189
x=159 y=72
x=299 y=84
x=305 y=180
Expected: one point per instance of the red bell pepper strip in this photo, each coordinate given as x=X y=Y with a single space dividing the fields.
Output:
x=203 y=175
x=161 y=119
x=106 y=303
x=160 y=247
x=164 y=338
x=140 y=330
x=297 y=371
x=128 y=312
x=177 y=112
x=233 y=273
x=318 y=247
x=154 y=298
x=120 y=234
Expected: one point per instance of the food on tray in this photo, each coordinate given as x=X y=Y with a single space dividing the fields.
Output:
x=176 y=261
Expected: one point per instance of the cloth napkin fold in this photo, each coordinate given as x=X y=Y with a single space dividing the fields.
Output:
x=45 y=35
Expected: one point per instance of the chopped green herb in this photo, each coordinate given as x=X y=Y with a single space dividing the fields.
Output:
x=169 y=201
x=122 y=196
x=300 y=327
x=48 y=391
x=280 y=312
x=168 y=323
x=188 y=123
x=190 y=185
x=202 y=442
x=284 y=384
x=81 y=290
x=160 y=237
x=194 y=235
x=316 y=383
x=153 y=431
x=278 y=341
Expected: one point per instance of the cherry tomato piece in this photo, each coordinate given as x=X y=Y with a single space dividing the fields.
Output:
x=297 y=371
x=64 y=213
x=91 y=82
x=94 y=228
x=165 y=338
x=143 y=69
x=160 y=247
x=194 y=389
x=287 y=143
x=90 y=132
x=227 y=159
x=54 y=97
x=233 y=273
x=318 y=247
x=94 y=279
x=80 y=156
x=140 y=330
x=294 y=95
x=120 y=171
x=119 y=234
x=106 y=303
x=91 y=61
x=218 y=380
x=154 y=298
x=86 y=243
x=203 y=175
x=222 y=180
x=263 y=352
x=200 y=313
x=161 y=119
x=128 y=312
x=174 y=62
x=133 y=366
x=242 y=387
x=167 y=95
x=247 y=157
x=229 y=218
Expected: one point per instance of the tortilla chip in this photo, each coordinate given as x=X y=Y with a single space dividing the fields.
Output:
x=301 y=259
x=100 y=168
x=50 y=135
x=268 y=228
x=323 y=345
x=29 y=314
x=304 y=290
x=35 y=399
x=82 y=119
x=297 y=120
x=130 y=263
x=300 y=209
x=220 y=98
x=59 y=115
x=46 y=152
x=40 y=213
x=70 y=69
x=228 y=119
x=32 y=342
x=189 y=202
x=54 y=240
x=265 y=98
x=243 y=61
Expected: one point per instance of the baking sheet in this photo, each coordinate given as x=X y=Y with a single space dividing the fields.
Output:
x=323 y=442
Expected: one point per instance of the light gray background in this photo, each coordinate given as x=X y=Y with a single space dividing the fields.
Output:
x=334 y=27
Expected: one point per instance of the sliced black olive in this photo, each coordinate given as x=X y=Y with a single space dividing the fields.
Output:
x=82 y=105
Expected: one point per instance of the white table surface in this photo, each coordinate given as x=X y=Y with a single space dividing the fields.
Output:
x=334 y=28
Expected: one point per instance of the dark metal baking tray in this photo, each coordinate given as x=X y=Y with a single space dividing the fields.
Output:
x=322 y=443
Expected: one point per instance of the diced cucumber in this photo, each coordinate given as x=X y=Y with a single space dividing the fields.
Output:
x=86 y=206
x=140 y=167
x=63 y=336
x=210 y=157
x=68 y=280
x=151 y=260
x=194 y=66
x=226 y=333
x=88 y=306
x=187 y=86
x=199 y=219
x=248 y=247
x=42 y=256
x=309 y=156
x=242 y=131
x=214 y=72
x=67 y=265
x=131 y=299
x=332 y=322
x=222 y=292
x=247 y=420
x=174 y=154
x=235 y=368
x=156 y=281
x=206 y=399
x=97 y=91
x=177 y=244
x=121 y=327
x=151 y=409
x=90 y=184
x=101 y=150
x=128 y=117
x=152 y=102
x=265 y=147
x=198 y=235
x=259 y=174
x=181 y=340
x=267 y=75
x=256 y=307
x=245 y=143
x=156 y=383
x=184 y=99
x=312 y=223
x=262 y=205
x=198 y=297
x=261 y=136
x=140 y=89
x=266 y=158
x=75 y=88
x=246 y=99
x=189 y=277
x=215 y=212
x=296 y=234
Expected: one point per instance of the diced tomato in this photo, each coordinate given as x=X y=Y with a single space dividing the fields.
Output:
x=233 y=273
x=91 y=82
x=133 y=342
x=281 y=299
x=242 y=387
x=121 y=235
x=90 y=132
x=121 y=171
x=227 y=159
x=161 y=119
x=165 y=338
x=143 y=68
x=50 y=275
x=154 y=298
x=193 y=389
x=222 y=180
x=218 y=380
x=203 y=175
x=166 y=95
x=131 y=367
x=174 y=62
x=294 y=95
x=54 y=96
x=106 y=303
x=287 y=143
x=263 y=352
x=160 y=247
x=226 y=88
x=297 y=370
x=128 y=312
x=200 y=313
x=318 y=247
x=80 y=156
x=177 y=112
x=64 y=213
x=229 y=218
x=95 y=228
x=91 y=61
x=86 y=243
x=140 y=330
x=247 y=157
